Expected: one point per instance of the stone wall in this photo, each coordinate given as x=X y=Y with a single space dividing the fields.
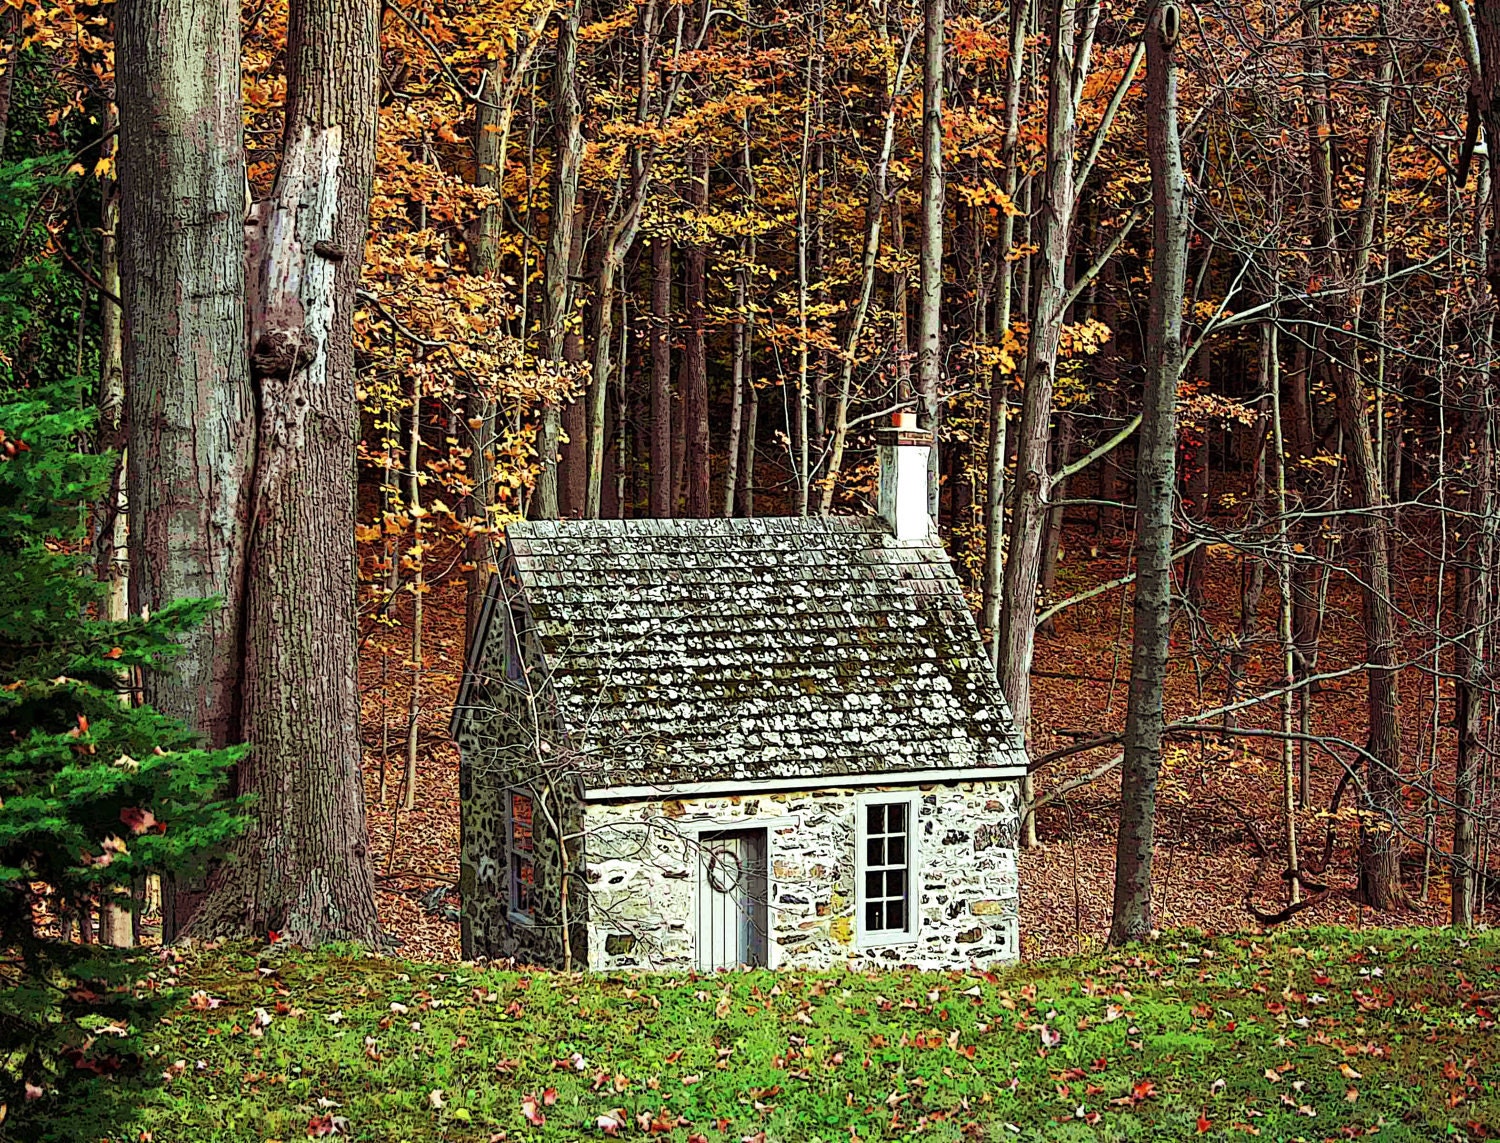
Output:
x=642 y=872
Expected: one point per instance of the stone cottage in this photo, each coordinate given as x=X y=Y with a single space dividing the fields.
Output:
x=705 y=743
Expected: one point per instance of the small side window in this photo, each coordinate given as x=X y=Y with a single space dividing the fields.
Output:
x=884 y=868
x=522 y=849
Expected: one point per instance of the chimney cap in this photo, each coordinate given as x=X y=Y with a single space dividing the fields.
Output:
x=903 y=431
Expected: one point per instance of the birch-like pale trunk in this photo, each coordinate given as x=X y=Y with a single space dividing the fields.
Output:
x=930 y=255
x=695 y=351
x=994 y=507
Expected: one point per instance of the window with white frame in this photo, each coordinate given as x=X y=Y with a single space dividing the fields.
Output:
x=521 y=846
x=885 y=866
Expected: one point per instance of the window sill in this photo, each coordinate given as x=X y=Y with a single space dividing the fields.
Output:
x=885 y=941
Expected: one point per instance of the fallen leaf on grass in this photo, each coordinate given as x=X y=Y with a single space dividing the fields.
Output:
x=611 y=1122
x=532 y=1111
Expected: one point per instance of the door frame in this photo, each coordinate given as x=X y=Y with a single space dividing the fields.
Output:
x=691 y=829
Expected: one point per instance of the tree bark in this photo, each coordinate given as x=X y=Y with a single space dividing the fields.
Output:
x=694 y=352
x=190 y=416
x=567 y=161
x=10 y=31
x=1380 y=847
x=994 y=520
x=1155 y=482
x=930 y=259
x=1016 y=643
x=1481 y=38
x=492 y=121
x=302 y=869
x=661 y=378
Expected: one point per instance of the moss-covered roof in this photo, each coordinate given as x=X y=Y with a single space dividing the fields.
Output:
x=776 y=648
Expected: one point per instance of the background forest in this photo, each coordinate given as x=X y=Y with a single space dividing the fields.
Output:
x=675 y=259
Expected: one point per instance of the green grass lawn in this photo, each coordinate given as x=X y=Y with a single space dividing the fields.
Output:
x=1322 y=1034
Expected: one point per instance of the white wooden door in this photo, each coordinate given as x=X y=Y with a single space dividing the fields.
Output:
x=730 y=926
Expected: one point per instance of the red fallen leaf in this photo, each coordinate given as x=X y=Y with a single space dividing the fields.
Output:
x=611 y=1122
x=274 y=935
x=1203 y=1124
x=532 y=1112
x=137 y=820
x=1092 y=1118
x=549 y=1097
x=1144 y=1089
x=114 y=652
x=1100 y=1065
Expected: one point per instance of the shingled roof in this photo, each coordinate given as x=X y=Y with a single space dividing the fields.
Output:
x=703 y=651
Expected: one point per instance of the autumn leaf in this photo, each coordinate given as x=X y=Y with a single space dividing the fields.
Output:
x=610 y=1122
x=137 y=820
x=532 y=1111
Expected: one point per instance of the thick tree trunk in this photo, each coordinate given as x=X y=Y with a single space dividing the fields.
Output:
x=1155 y=481
x=661 y=378
x=1473 y=692
x=302 y=869
x=694 y=353
x=930 y=259
x=190 y=416
x=567 y=160
x=190 y=412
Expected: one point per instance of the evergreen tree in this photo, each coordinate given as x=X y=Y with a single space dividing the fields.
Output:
x=96 y=790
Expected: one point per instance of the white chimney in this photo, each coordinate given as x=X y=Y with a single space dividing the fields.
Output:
x=902 y=451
